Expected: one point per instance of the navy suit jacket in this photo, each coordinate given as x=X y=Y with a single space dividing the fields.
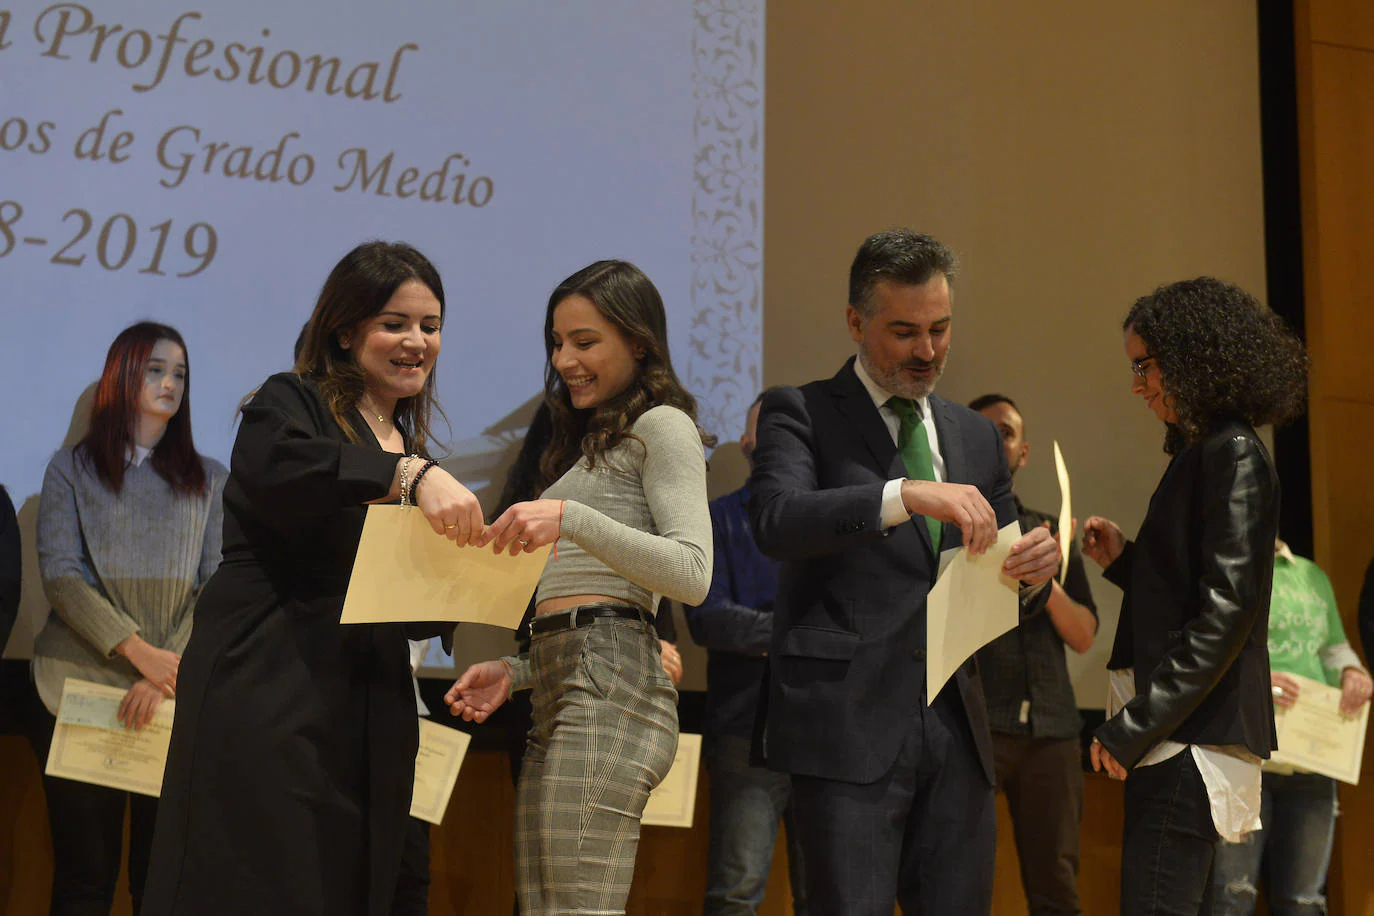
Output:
x=847 y=658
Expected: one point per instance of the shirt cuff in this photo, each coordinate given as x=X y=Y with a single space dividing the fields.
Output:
x=1338 y=657
x=893 y=511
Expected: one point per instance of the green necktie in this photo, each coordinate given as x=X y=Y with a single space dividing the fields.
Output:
x=914 y=445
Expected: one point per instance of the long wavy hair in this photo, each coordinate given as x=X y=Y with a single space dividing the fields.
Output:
x=114 y=415
x=627 y=299
x=359 y=287
x=1221 y=356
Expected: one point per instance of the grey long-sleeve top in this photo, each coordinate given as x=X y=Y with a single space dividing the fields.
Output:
x=636 y=526
x=118 y=564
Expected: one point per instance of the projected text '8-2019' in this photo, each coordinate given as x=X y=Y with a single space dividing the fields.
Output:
x=116 y=241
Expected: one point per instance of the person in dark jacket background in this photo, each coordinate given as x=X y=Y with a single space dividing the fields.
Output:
x=735 y=625
x=1192 y=715
x=11 y=567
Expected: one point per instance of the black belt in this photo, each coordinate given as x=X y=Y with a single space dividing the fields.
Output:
x=584 y=614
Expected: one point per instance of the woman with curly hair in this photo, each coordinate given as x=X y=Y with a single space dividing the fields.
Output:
x=624 y=494
x=1191 y=716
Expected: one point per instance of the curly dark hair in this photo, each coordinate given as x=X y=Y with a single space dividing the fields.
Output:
x=627 y=299
x=1221 y=356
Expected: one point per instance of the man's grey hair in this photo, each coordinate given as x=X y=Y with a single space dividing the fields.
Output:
x=902 y=256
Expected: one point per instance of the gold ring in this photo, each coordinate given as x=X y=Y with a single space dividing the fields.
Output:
x=524 y=543
x=449 y=527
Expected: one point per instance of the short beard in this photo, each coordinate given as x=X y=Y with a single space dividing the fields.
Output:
x=896 y=384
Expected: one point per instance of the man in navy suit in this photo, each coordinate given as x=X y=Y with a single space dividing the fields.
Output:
x=858 y=482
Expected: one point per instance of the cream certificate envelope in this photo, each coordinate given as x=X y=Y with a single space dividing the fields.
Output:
x=971 y=604
x=673 y=802
x=1315 y=736
x=89 y=744
x=437 y=763
x=405 y=572
x=1065 y=512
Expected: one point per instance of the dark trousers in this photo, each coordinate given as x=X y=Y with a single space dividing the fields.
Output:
x=87 y=824
x=1168 y=843
x=412 y=884
x=747 y=804
x=1043 y=782
x=924 y=835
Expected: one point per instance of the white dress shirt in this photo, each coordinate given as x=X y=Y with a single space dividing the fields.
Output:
x=418 y=648
x=1230 y=773
x=893 y=510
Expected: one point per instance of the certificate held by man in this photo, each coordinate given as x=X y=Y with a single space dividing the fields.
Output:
x=89 y=744
x=404 y=572
x=972 y=603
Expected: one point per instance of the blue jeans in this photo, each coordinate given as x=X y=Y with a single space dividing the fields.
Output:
x=746 y=805
x=1291 y=851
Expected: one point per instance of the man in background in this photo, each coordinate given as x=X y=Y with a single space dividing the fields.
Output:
x=735 y=624
x=1031 y=707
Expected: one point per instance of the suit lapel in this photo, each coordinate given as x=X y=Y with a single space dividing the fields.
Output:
x=853 y=402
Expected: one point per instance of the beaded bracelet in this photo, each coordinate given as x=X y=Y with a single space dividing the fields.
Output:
x=416 y=482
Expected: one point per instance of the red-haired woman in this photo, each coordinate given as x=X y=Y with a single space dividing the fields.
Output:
x=128 y=532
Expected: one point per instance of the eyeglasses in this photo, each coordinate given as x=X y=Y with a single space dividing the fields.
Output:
x=1141 y=367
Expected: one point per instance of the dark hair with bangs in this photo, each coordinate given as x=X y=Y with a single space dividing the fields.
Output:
x=359 y=287
x=627 y=299
x=114 y=415
x=1221 y=356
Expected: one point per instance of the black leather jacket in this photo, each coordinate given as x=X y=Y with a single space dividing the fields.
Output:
x=1195 y=618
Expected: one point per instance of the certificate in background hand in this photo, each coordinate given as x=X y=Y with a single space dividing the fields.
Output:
x=1315 y=736
x=90 y=745
x=437 y=762
x=673 y=802
x=1061 y=470
x=404 y=572
x=971 y=604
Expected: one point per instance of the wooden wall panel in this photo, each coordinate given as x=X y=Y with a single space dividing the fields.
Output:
x=1335 y=78
x=1343 y=22
x=1342 y=198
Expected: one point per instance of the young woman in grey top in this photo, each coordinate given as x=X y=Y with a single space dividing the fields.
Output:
x=626 y=505
x=128 y=531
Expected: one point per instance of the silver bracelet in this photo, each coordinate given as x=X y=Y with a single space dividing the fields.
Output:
x=405 y=473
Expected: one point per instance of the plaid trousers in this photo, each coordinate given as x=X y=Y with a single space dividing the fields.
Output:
x=604 y=734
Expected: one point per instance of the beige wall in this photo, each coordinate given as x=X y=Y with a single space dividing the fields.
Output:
x=1075 y=154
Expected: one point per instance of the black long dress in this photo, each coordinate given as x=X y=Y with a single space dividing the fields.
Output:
x=288 y=781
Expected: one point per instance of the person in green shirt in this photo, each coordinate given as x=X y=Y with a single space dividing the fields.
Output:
x=1298 y=809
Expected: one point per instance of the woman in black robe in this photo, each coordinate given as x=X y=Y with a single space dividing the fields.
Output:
x=288 y=781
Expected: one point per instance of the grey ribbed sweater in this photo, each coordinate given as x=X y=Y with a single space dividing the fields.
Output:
x=115 y=565
x=636 y=526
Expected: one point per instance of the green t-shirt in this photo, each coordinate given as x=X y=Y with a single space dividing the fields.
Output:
x=1303 y=620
